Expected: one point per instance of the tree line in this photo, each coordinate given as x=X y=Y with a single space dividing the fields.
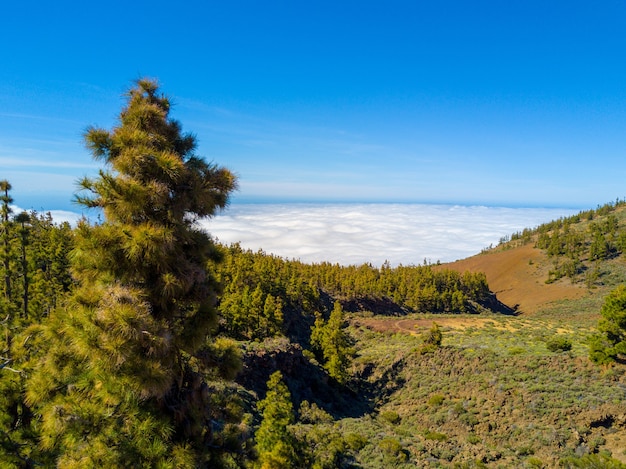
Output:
x=260 y=289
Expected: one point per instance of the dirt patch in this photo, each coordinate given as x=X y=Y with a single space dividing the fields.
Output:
x=517 y=276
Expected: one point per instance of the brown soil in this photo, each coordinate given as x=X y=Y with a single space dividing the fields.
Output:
x=517 y=276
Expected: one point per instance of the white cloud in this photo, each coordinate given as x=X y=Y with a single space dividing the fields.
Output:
x=357 y=233
x=58 y=216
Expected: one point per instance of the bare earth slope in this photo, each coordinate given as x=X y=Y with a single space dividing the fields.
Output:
x=517 y=277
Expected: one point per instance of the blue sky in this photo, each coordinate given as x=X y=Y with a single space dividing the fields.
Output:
x=496 y=103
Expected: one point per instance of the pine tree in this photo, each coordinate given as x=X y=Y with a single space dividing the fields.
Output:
x=272 y=322
x=275 y=443
x=6 y=199
x=118 y=379
x=610 y=344
x=23 y=247
x=23 y=219
x=49 y=249
x=331 y=341
x=255 y=312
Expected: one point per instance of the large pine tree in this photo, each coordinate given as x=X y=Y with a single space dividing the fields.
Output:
x=120 y=378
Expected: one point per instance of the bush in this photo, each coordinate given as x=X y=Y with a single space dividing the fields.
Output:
x=356 y=441
x=435 y=400
x=390 y=416
x=600 y=351
x=517 y=350
x=559 y=344
x=392 y=447
x=435 y=436
x=425 y=349
x=591 y=461
x=434 y=336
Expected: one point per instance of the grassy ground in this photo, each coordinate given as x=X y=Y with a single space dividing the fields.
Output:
x=493 y=395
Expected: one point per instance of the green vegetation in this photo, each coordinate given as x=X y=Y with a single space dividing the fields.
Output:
x=275 y=443
x=579 y=244
x=432 y=339
x=332 y=344
x=473 y=402
x=118 y=376
x=140 y=342
x=610 y=343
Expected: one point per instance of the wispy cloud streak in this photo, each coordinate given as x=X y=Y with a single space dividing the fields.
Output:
x=357 y=233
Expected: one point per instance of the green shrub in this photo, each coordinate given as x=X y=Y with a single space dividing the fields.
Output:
x=559 y=344
x=516 y=350
x=309 y=356
x=390 y=416
x=525 y=451
x=433 y=336
x=426 y=349
x=600 y=350
x=435 y=400
x=591 y=461
x=392 y=447
x=435 y=436
x=356 y=441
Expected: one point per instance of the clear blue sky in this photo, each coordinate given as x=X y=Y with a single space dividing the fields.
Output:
x=518 y=103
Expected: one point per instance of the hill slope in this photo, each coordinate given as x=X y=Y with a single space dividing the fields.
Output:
x=574 y=260
x=517 y=277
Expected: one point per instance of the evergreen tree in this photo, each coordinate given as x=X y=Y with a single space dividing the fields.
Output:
x=118 y=373
x=23 y=219
x=49 y=258
x=276 y=445
x=610 y=344
x=6 y=199
x=434 y=336
x=272 y=316
x=331 y=341
x=255 y=313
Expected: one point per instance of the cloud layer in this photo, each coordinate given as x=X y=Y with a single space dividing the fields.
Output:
x=358 y=233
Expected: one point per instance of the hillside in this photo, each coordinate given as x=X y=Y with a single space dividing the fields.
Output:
x=574 y=260
x=517 y=277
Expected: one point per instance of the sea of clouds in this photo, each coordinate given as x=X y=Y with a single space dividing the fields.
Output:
x=373 y=233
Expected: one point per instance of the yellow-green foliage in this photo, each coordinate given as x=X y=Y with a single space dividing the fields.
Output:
x=332 y=343
x=275 y=443
x=118 y=374
x=610 y=343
